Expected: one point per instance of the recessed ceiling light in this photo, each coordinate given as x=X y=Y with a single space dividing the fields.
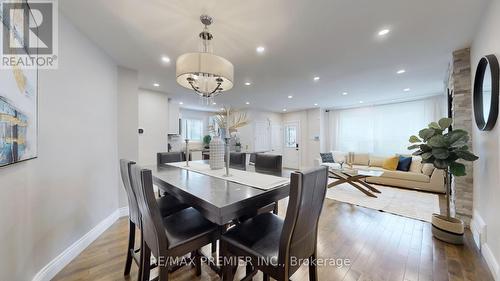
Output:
x=284 y=109
x=248 y=83
x=360 y=101
x=383 y=32
x=290 y=97
x=156 y=84
x=406 y=89
x=181 y=103
x=165 y=59
x=214 y=103
x=401 y=71
x=316 y=78
x=247 y=103
x=315 y=104
x=260 y=49
x=345 y=93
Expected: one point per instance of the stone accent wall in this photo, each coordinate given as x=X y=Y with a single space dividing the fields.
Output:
x=460 y=82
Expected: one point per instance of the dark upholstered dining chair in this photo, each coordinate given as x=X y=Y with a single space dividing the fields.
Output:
x=167 y=205
x=269 y=164
x=238 y=160
x=273 y=243
x=171 y=237
x=170 y=157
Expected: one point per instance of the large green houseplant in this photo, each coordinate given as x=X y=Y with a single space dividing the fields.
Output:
x=445 y=149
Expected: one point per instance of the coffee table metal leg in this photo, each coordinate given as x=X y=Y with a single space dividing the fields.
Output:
x=361 y=189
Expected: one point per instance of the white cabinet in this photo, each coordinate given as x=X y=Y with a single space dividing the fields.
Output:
x=173 y=118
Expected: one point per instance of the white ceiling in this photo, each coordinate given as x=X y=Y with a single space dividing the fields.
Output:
x=334 y=39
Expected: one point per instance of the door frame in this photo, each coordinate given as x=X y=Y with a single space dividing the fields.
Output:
x=299 y=137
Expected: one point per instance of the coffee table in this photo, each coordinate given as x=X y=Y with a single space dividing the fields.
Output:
x=354 y=178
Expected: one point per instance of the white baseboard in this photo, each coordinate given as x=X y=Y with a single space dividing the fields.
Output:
x=57 y=264
x=491 y=261
x=478 y=229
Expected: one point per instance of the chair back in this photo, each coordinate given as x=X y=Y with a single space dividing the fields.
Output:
x=300 y=229
x=169 y=157
x=268 y=163
x=238 y=160
x=133 y=208
x=153 y=231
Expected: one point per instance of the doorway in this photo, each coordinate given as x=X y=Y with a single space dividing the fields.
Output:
x=291 y=147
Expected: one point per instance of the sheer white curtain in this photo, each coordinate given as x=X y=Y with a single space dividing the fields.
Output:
x=382 y=129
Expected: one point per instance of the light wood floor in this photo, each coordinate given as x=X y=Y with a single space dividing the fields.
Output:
x=379 y=246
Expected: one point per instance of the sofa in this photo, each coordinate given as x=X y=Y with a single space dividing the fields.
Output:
x=420 y=176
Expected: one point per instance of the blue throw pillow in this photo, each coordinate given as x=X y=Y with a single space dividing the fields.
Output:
x=404 y=164
x=327 y=157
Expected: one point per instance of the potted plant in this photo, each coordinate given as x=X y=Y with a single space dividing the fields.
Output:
x=445 y=149
x=206 y=141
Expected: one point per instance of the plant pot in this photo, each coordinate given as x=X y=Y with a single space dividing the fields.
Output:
x=448 y=229
x=238 y=148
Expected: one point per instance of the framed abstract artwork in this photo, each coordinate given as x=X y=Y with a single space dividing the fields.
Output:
x=18 y=109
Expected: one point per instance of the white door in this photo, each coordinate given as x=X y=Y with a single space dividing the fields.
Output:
x=262 y=141
x=291 y=148
x=277 y=139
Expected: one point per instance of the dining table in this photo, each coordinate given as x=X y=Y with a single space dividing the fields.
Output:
x=220 y=200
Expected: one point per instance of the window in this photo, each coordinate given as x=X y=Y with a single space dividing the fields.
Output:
x=382 y=129
x=192 y=129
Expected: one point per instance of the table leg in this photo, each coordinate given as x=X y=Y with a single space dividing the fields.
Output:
x=361 y=189
x=370 y=187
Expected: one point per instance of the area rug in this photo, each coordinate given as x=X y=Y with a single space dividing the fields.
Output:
x=408 y=203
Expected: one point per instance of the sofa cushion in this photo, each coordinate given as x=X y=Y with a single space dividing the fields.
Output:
x=391 y=163
x=404 y=164
x=376 y=161
x=416 y=164
x=327 y=157
x=361 y=159
x=427 y=169
x=331 y=165
x=409 y=176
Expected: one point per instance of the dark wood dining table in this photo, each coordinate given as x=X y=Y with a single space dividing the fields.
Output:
x=219 y=200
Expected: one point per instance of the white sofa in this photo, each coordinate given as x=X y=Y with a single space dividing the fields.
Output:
x=420 y=176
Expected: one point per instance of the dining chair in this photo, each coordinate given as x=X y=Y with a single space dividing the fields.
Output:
x=167 y=205
x=171 y=237
x=276 y=246
x=269 y=164
x=169 y=157
x=238 y=160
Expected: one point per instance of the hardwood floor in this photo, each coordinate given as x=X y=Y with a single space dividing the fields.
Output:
x=374 y=245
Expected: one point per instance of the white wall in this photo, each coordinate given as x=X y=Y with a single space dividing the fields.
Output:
x=50 y=202
x=153 y=118
x=487 y=147
x=128 y=111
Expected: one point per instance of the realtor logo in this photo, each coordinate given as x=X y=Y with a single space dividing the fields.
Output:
x=29 y=34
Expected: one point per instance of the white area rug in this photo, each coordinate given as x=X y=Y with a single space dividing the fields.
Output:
x=408 y=203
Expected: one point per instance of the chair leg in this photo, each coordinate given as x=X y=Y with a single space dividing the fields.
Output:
x=228 y=268
x=249 y=269
x=130 y=249
x=313 y=270
x=265 y=277
x=197 y=262
x=141 y=255
x=163 y=273
x=275 y=210
x=214 y=246
x=146 y=262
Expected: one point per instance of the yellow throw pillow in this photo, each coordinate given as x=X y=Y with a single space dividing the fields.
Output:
x=391 y=163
